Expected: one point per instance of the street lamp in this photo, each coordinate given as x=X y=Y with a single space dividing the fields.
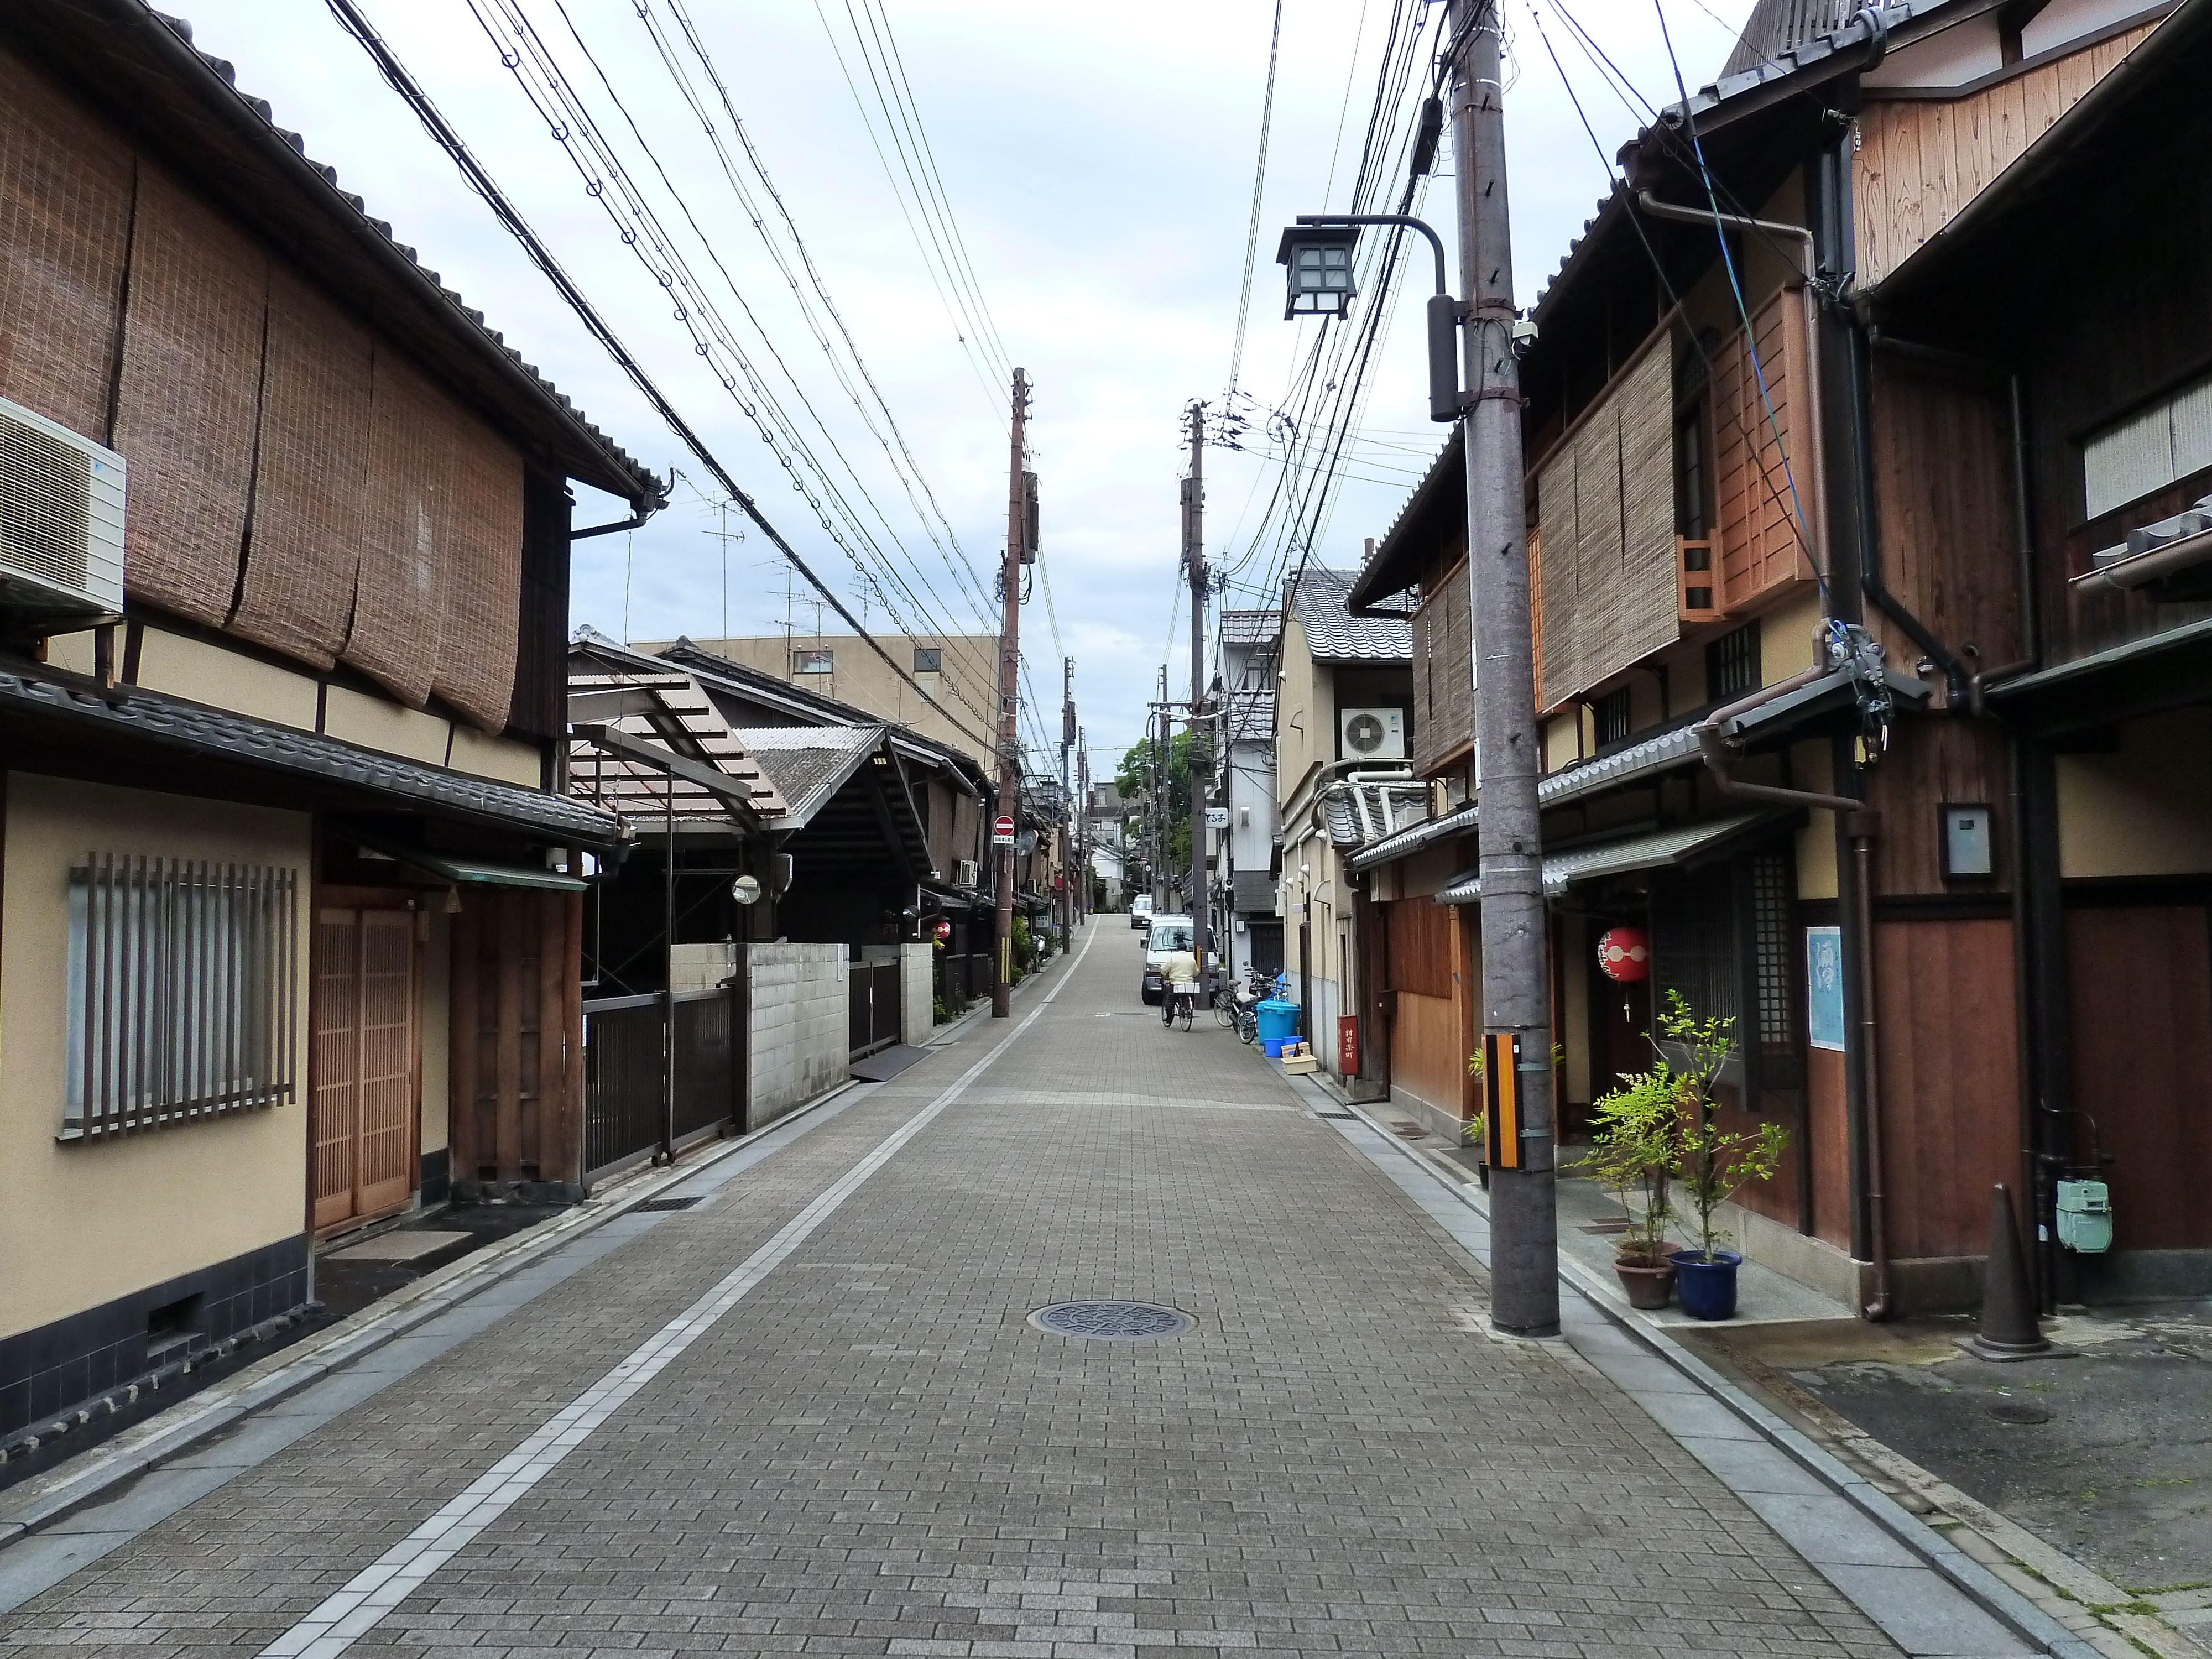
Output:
x=1317 y=256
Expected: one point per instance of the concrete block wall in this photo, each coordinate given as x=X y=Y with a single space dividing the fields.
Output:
x=798 y=1026
x=704 y=967
x=917 y=993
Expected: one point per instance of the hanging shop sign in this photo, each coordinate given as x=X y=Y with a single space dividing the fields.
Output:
x=1623 y=954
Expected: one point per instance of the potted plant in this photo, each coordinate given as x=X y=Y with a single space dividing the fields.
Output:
x=1633 y=1131
x=1713 y=1163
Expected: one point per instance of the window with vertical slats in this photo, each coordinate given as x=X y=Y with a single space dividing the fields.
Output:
x=182 y=992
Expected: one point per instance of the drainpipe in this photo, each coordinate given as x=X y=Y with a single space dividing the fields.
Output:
x=1862 y=826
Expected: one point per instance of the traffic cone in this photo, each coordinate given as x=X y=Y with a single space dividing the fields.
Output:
x=2008 y=1328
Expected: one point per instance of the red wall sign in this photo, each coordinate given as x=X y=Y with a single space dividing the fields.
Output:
x=1623 y=954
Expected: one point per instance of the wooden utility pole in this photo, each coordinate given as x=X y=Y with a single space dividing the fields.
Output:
x=1009 y=680
x=1194 y=556
x=1515 y=971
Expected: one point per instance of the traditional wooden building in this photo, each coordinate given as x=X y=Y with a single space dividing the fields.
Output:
x=1817 y=463
x=291 y=917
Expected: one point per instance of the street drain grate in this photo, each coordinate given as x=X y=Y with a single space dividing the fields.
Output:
x=1112 y=1321
x=2018 y=1411
x=668 y=1204
x=1342 y=1117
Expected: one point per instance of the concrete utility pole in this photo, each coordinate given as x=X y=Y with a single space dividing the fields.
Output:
x=1066 y=799
x=1515 y=972
x=1010 y=667
x=1162 y=813
x=1194 y=556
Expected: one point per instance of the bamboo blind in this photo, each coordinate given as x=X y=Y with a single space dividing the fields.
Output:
x=1606 y=532
x=65 y=201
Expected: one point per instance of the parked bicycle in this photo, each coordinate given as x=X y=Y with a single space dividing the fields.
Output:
x=1238 y=1006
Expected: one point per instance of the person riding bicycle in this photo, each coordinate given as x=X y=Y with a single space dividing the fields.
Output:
x=1178 y=980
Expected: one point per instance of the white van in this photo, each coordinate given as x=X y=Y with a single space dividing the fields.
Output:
x=1141 y=912
x=1169 y=935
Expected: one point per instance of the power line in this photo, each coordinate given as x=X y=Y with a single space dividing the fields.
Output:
x=395 y=74
x=1259 y=185
x=572 y=125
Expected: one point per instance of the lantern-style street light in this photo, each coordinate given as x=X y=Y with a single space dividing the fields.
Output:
x=1317 y=256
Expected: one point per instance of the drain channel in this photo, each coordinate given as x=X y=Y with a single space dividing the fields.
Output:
x=1112 y=1321
x=668 y=1203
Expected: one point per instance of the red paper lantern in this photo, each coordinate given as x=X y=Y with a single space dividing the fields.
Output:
x=943 y=930
x=1623 y=954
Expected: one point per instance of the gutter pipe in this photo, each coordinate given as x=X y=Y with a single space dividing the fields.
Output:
x=1862 y=825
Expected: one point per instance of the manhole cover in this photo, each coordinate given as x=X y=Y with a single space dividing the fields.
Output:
x=1112 y=1321
x=668 y=1203
x=2018 y=1411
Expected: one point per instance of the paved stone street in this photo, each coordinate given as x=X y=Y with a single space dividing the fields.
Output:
x=860 y=1445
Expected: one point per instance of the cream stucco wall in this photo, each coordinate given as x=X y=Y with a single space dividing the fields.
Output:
x=502 y=759
x=2144 y=811
x=81 y=1223
x=1785 y=634
x=1812 y=766
x=203 y=673
x=375 y=723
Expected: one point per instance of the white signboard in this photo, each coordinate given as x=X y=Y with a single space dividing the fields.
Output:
x=1217 y=818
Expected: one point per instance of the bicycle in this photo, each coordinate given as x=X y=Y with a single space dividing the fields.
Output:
x=1185 y=993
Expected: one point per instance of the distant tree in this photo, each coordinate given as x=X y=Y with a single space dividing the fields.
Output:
x=1187 y=750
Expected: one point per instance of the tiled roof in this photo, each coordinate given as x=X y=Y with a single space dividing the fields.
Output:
x=1364 y=812
x=1250 y=628
x=1251 y=716
x=1459 y=821
x=1334 y=635
x=122 y=23
x=214 y=733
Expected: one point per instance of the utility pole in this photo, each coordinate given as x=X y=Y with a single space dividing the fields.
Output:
x=1009 y=664
x=1162 y=803
x=1066 y=800
x=1516 y=974
x=1193 y=557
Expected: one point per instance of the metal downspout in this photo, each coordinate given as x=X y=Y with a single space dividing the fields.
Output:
x=1862 y=825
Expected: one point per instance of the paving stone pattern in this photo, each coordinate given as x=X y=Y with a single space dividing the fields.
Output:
x=875 y=1452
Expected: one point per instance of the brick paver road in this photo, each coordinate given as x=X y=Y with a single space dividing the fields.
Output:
x=873 y=1452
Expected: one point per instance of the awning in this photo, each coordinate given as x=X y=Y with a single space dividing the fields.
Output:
x=466 y=872
x=1659 y=848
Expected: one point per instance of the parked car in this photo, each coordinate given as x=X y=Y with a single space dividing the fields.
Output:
x=1141 y=912
x=1169 y=935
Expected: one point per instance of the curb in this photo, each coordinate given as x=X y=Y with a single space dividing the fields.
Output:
x=96 y=1471
x=1969 y=1576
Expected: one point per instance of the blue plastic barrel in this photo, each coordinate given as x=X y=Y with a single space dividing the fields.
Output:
x=1279 y=1020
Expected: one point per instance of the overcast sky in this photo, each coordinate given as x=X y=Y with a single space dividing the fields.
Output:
x=1097 y=162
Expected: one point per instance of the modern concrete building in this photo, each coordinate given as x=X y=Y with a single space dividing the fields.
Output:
x=959 y=672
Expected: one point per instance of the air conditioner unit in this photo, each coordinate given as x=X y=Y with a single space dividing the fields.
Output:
x=963 y=872
x=61 y=522
x=1377 y=734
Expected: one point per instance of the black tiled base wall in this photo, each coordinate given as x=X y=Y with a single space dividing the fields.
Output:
x=435 y=1182
x=46 y=1371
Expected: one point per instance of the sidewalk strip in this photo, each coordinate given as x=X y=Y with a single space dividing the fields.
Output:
x=1923 y=1592
x=378 y=1589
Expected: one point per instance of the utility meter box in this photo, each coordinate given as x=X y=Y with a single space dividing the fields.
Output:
x=2084 y=1216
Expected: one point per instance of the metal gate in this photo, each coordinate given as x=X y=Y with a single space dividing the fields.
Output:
x=875 y=1006
x=627 y=1108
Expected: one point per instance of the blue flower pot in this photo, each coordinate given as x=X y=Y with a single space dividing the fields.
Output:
x=1705 y=1285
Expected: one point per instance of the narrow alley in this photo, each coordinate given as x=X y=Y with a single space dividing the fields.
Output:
x=813 y=1413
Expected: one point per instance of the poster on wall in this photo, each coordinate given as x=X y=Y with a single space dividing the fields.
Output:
x=1824 y=987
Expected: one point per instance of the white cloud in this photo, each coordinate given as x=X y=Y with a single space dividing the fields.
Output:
x=1099 y=162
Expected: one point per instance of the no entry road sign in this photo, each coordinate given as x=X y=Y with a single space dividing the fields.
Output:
x=1002 y=832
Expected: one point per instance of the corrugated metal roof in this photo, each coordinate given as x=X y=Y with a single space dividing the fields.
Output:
x=1613 y=858
x=1333 y=634
x=808 y=763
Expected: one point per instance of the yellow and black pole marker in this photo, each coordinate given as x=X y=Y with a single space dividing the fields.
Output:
x=1501 y=1092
